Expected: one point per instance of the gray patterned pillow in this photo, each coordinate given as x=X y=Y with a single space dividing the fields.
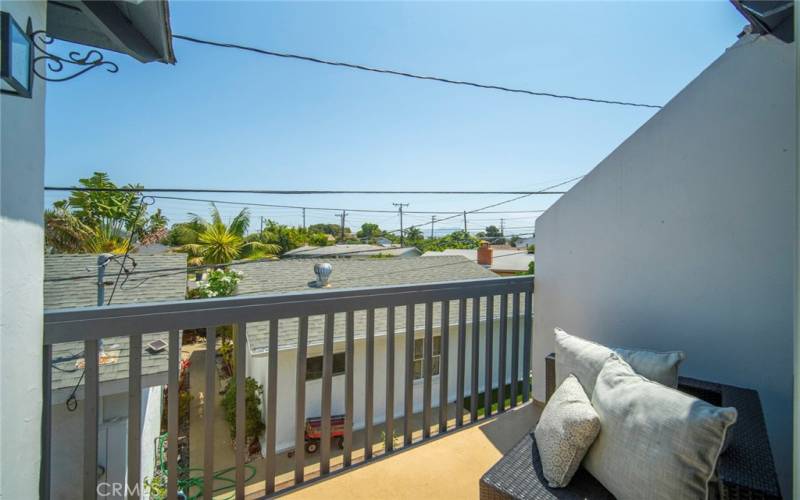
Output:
x=567 y=428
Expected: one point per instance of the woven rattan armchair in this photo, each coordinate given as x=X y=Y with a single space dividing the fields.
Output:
x=745 y=469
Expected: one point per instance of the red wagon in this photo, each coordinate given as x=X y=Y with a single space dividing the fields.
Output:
x=313 y=433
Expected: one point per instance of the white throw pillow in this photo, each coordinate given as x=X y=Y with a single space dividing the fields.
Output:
x=567 y=428
x=585 y=359
x=655 y=442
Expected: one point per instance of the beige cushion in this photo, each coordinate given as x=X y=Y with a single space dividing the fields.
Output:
x=655 y=442
x=585 y=359
x=566 y=429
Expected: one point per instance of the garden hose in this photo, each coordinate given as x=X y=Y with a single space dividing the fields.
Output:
x=192 y=487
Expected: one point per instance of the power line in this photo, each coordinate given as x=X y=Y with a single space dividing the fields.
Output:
x=336 y=209
x=412 y=75
x=284 y=191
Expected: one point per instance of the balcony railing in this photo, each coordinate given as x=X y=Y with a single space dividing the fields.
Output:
x=488 y=301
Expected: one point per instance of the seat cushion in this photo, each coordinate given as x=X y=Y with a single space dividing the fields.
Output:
x=655 y=441
x=519 y=475
x=585 y=359
x=566 y=429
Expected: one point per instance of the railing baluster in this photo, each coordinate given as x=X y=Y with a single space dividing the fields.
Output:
x=348 y=390
x=208 y=412
x=526 y=353
x=389 y=425
x=369 y=388
x=327 y=377
x=444 y=364
x=47 y=418
x=487 y=379
x=427 y=362
x=173 y=390
x=91 y=378
x=501 y=364
x=514 y=347
x=134 y=414
x=272 y=406
x=408 y=410
x=240 y=336
x=476 y=324
x=461 y=361
x=300 y=401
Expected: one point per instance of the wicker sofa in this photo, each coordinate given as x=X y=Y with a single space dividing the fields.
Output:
x=745 y=469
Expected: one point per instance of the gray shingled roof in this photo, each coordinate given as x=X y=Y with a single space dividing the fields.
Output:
x=157 y=287
x=294 y=275
x=355 y=250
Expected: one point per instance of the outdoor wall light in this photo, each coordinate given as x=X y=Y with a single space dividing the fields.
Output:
x=16 y=57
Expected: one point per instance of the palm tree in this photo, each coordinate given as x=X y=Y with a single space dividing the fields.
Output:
x=414 y=234
x=218 y=243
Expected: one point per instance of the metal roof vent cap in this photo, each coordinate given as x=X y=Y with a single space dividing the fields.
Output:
x=323 y=271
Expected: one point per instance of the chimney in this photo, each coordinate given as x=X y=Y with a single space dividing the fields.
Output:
x=485 y=254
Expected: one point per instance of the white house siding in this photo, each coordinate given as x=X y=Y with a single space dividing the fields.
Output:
x=21 y=271
x=67 y=443
x=683 y=237
x=287 y=363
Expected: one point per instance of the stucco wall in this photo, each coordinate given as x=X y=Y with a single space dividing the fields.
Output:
x=21 y=274
x=287 y=362
x=683 y=237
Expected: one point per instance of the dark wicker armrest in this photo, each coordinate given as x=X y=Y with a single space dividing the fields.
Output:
x=745 y=468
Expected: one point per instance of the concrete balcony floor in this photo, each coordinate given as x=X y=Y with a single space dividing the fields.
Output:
x=447 y=466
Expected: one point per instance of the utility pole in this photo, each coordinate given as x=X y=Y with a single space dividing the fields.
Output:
x=501 y=226
x=400 y=209
x=262 y=225
x=433 y=221
x=344 y=214
x=304 y=217
x=465 y=221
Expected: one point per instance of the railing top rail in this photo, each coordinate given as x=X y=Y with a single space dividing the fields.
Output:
x=66 y=325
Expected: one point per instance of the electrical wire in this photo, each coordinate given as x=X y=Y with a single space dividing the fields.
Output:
x=283 y=191
x=412 y=75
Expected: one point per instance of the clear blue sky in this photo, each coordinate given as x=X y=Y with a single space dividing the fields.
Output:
x=226 y=119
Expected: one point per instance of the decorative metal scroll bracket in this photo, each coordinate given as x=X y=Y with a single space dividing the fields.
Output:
x=56 y=64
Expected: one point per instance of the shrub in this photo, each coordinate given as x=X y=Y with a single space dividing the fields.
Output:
x=220 y=283
x=532 y=248
x=254 y=425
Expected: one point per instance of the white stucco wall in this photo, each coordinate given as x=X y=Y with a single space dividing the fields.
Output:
x=683 y=237
x=287 y=362
x=21 y=274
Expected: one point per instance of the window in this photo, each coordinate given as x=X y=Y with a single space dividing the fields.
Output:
x=419 y=350
x=314 y=366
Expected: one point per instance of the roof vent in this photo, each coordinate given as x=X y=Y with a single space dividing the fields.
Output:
x=323 y=271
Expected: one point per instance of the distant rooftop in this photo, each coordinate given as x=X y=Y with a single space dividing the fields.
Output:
x=357 y=250
x=293 y=275
x=503 y=260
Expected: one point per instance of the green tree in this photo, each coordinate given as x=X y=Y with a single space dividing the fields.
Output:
x=254 y=425
x=100 y=221
x=318 y=239
x=284 y=237
x=220 y=243
x=494 y=235
x=332 y=229
x=414 y=235
x=457 y=239
x=369 y=231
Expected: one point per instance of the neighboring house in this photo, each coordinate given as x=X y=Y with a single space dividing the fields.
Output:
x=139 y=30
x=383 y=241
x=67 y=373
x=357 y=250
x=296 y=275
x=505 y=262
x=684 y=236
x=525 y=242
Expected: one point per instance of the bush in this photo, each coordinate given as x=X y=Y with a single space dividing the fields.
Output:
x=318 y=239
x=254 y=425
x=532 y=248
x=220 y=283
